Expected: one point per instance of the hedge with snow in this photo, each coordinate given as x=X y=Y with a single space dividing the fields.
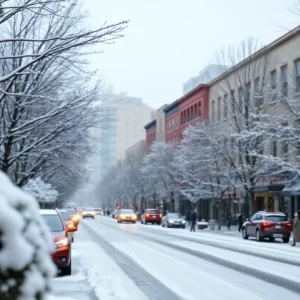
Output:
x=26 y=268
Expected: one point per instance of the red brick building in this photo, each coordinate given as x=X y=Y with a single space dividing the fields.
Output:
x=150 y=133
x=188 y=109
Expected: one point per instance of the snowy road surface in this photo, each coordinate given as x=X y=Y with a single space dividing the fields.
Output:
x=132 y=261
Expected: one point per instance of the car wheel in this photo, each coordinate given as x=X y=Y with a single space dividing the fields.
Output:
x=258 y=236
x=93 y=218
x=133 y=222
x=67 y=270
x=271 y=239
x=72 y=239
x=159 y=223
x=168 y=225
x=244 y=233
x=183 y=226
x=162 y=224
x=145 y=223
x=286 y=240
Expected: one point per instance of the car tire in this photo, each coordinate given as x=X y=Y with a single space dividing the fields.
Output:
x=162 y=224
x=72 y=239
x=159 y=223
x=67 y=270
x=133 y=222
x=93 y=218
x=244 y=234
x=168 y=225
x=183 y=227
x=286 y=240
x=145 y=223
x=258 y=236
x=271 y=239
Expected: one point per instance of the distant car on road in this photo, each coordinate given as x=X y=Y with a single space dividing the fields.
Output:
x=74 y=216
x=126 y=215
x=99 y=211
x=61 y=243
x=269 y=225
x=173 y=220
x=114 y=214
x=151 y=216
x=88 y=213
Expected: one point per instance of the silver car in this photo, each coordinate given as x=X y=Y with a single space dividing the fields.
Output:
x=173 y=220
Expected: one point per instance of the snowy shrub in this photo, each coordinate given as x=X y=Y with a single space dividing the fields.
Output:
x=41 y=191
x=26 y=268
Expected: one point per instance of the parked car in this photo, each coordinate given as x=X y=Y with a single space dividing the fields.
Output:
x=99 y=211
x=115 y=213
x=151 y=216
x=88 y=213
x=67 y=221
x=173 y=220
x=62 y=245
x=269 y=225
x=126 y=215
x=74 y=216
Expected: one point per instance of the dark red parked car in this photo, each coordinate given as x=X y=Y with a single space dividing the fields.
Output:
x=151 y=216
x=269 y=225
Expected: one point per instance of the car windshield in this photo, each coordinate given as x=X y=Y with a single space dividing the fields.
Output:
x=127 y=211
x=89 y=209
x=65 y=215
x=54 y=223
x=71 y=211
x=174 y=215
x=152 y=211
x=276 y=218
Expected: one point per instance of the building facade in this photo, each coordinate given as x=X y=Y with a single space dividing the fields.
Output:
x=270 y=74
x=161 y=124
x=121 y=126
x=137 y=150
x=150 y=133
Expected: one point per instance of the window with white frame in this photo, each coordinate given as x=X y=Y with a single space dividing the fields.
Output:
x=297 y=75
x=284 y=80
x=273 y=84
x=213 y=111
x=258 y=99
x=225 y=104
x=219 y=109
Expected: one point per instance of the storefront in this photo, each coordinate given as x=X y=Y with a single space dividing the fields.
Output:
x=291 y=192
x=268 y=196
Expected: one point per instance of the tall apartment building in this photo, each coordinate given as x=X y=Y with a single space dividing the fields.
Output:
x=122 y=122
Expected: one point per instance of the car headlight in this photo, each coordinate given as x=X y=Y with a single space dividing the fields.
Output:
x=122 y=216
x=134 y=217
x=183 y=221
x=61 y=243
x=171 y=221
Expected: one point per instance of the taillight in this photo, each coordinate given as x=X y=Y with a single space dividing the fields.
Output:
x=288 y=224
x=160 y=215
x=265 y=224
x=147 y=215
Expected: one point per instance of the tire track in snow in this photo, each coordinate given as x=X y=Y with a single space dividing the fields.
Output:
x=272 y=279
x=150 y=286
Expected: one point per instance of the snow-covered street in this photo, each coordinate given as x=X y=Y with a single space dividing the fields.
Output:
x=134 y=261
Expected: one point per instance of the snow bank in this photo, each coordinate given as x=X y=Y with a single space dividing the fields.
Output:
x=26 y=268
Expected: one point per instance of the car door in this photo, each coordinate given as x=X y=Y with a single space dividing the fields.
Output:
x=257 y=221
x=251 y=225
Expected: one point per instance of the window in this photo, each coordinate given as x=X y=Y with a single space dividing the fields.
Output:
x=232 y=101
x=274 y=148
x=284 y=81
x=213 y=112
x=247 y=95
x=273 y=76
x=284 y=145
x=297 y=74
x=258 y=93
x=225 y=106
x=260 y=145
x=219 y=109
x=241 y=102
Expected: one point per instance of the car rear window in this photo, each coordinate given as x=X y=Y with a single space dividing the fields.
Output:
x=127 y=211
x=65 y=215
x=54 y=223
x=152 y=211
x=276 y=218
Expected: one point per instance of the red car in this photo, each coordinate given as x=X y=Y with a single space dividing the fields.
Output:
x=269 y=225
x=151 y=216
x=61 y=243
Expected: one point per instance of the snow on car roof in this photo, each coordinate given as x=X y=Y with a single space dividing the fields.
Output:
x=48 y=212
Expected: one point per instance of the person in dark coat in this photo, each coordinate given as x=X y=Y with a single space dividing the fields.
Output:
x=188 y=217
x=193 y=220
x=240 y=222
x=296 y=227
x=108 y=212
x=229 y=220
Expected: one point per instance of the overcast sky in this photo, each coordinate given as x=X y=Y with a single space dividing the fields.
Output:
x=169 y=41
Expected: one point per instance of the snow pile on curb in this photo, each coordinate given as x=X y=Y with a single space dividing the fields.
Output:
x=26 y=268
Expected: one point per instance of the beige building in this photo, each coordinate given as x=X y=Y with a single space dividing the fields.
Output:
x=122 y=126
x=259 y=84
x=161 y=124
x=138 y=150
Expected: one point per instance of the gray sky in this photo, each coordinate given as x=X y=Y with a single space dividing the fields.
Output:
x=169 y=41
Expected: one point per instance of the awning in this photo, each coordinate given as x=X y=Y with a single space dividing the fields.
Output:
x=292 y=189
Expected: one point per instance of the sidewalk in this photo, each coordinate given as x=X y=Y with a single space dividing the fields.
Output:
x=224 y=230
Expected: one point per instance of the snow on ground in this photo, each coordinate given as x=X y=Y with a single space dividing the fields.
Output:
x=104 y=275
x=187 y=275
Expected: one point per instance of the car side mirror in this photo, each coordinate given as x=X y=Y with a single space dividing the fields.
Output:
x=71 y=228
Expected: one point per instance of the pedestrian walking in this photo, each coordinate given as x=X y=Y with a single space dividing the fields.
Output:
x=240 y=222
x=193 y=220
x=108 y=212
x=229 y=220
x=296 y=228
x=188 y=217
